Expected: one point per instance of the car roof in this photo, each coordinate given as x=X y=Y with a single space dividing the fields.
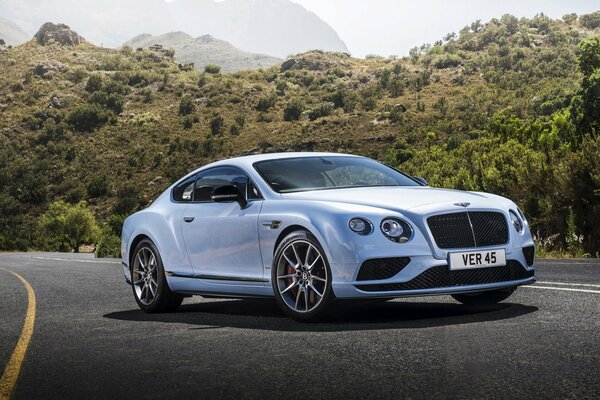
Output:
x=248 y=160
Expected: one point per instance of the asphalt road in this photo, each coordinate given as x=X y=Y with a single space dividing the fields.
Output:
x=91 y=341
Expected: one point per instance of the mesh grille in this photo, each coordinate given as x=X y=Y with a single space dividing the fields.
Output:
x=453 y=231
x=529 y=253
x=381 y=268
x=442 y=276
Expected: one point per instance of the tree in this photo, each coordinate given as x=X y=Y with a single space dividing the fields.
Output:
x=591 y=21
x=72 y=225
x=476 y=26
x=589 y=60
x=585 y=107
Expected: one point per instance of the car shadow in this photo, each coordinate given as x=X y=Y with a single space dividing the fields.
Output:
x=265 y=315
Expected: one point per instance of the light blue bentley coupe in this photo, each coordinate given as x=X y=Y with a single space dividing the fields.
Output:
x=309 y=228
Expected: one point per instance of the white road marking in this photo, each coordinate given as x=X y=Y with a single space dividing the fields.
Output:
x=553 y=263
x=568 y=284
x=564 y=289
x=78 y=261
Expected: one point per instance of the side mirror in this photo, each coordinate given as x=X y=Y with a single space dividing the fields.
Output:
x=421 y=180
x=227 y=193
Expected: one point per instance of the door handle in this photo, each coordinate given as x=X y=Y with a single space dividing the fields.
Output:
x=188 y=219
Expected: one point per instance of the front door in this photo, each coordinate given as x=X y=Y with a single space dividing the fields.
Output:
x=222 y=238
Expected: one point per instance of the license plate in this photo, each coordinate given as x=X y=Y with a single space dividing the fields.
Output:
x=477 y=259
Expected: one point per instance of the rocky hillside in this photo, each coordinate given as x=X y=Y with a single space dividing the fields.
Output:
x=275 y=27
x=506 y=107
x=204 y=50
x=11 y=33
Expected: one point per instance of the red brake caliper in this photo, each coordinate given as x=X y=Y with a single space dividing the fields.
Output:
x=289 y=270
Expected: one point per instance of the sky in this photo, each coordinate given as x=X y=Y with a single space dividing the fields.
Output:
x=392 y=27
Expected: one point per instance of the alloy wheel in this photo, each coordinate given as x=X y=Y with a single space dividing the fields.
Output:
x=145 y=275
x=301 y=276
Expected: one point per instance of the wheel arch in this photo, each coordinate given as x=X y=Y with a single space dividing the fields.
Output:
x=289 y=229
x=136 y=240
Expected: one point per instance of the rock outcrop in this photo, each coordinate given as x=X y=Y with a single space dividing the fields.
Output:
x=57 y=33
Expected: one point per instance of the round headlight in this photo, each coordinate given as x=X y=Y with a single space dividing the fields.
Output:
x=516 y=221
x=396 y=230
x=361 y=226
x=522 y=215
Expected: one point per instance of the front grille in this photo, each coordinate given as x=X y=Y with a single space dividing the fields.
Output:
x=529 y=254
x=442 y=277
x=381 y=268
x=468 y=229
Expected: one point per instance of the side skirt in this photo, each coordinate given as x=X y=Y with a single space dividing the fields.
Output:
x=218 y=278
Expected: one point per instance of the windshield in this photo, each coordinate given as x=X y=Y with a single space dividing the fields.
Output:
x=316 y=173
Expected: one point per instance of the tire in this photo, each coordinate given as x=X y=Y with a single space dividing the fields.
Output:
x=484 y=298
x=301 y=277
x=150 y=288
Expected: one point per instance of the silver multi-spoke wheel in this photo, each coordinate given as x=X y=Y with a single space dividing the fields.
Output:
x=302 y=276
x=145 y=275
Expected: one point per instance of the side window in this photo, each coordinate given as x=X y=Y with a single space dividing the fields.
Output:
x=183 y=192
x=220 y=176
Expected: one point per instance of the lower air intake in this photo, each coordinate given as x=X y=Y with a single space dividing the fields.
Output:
x=443 y=277
x=381 y=268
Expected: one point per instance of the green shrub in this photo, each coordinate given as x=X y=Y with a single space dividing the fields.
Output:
x=266 y=102
x=217 y=124
x=186 y=105
x=147 y=96
x=77 y=75
x=94 y=83
x=293 y=110
x=127 y=200
x=240 y=119
x=98 y=186
x=87 y=117
x=235 y=129
x=109 y=246
x=16 y=87
x=212 y=69
x=323 y=110
x=190 y=120
x=448 y=61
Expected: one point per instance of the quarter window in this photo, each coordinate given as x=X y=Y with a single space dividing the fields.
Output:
x=184 y=191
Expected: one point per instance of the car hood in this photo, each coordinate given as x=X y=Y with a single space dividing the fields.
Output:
x=406 y=198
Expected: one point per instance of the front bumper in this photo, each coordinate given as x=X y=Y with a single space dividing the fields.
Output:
x=428 y=276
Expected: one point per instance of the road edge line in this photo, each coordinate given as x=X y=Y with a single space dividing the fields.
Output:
x=9 y=378
x=563 y=289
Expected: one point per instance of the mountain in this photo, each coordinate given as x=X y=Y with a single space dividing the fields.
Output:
x=508 y=107
x=205 y=50
x=276 y=27
x=103 y=22
x=11 y=33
